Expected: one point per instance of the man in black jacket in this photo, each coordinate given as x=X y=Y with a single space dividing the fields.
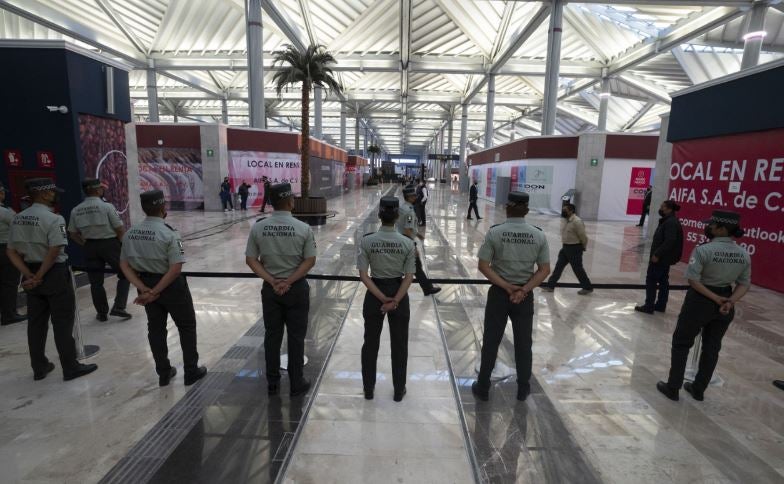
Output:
x=666 y=251
x=473 y=196
x=646 y=206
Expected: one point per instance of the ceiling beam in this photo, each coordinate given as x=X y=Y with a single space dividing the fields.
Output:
x=129 y=34
x=676 y=3
x=405 y=54
x=305 y=9
x=735 y=45
x=694 y=71
x=519 y=39
x=279 y=18
x=637 y=117
x=656 y=92
x=680 y=33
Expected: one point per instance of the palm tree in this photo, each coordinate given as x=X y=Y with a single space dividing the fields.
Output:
x=311 y=68
x=373 y=150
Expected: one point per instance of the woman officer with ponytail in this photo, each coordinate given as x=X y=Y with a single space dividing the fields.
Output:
x=710 y=303
x=390 y=257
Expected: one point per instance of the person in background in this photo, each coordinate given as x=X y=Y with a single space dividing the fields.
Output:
x=36 y=247
x=95 y=225
x=244 y=191
x=266 y=198
x=473 y=196
x=9 y=274
x=575 y=242
x=406 y=225
x=422 y=194
x=709 y=306
x=225 y=194
x=152 y=258
x=646 y=205
x=666 y=251
x=778 y=384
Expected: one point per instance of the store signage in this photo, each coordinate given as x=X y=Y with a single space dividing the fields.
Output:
x=594 y=162
x=639 y=181
x=12 y=158
x=743 y=173
x=432 y=156
x=45 y=159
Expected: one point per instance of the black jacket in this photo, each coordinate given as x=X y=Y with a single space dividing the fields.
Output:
x=667 y=242
x=473 y=194
x=646 y=204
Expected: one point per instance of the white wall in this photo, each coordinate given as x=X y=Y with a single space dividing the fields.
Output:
x=614 y=193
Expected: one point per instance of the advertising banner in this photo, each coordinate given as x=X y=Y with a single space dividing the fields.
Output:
x=251 y=166
x=177 y=172
x=102 y=142
x=639 y=180
x=743 y=173
x=538 y=183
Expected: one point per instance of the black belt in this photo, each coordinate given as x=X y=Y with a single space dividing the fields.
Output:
x=390 y=280
x=149 y=274
x=37 y=265
x=99 y=240
x=572 y=245
x=719 y=289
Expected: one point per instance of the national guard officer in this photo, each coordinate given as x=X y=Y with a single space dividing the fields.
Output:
x=95 y=225
x=281 y=250
x=406 y=225
x=151 y=258
x=36 y=246
x=709 y=306
x=9 y=274
x=390 y=257
x=507 y=258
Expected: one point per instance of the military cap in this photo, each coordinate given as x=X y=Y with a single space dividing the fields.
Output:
x=280 y=191
x=152 y=198
x=409 y=190
x=389 y=203
x=517 y=197
x=92 y=183
x=723 y=217
x=42 y=185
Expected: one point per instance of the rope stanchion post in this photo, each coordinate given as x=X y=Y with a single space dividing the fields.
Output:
x=83 y=351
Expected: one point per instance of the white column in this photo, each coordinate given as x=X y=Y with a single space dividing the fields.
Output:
x=553 y=67
x=356 y=134
x=512 y=133
x=317 y=95
x=224 y=111
x=152 y=94
x=343 y=113
x=490 y=111
x=463 y=141
x=604 y=102
x=449 y=132
x=754 y=36
x=255 y=37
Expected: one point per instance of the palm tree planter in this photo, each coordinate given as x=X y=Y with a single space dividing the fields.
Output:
x=309 y=68
x=373 y=151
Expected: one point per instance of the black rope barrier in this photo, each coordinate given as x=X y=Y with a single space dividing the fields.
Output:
x=327 y=277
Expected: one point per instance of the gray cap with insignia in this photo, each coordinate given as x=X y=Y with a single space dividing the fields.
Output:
x=279 y=192
x=515 y=198
x=152 y=198
x=42 y=185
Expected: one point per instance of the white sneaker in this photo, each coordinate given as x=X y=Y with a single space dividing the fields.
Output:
x=225 y=209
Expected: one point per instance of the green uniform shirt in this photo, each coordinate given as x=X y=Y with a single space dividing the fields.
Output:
x=35 y=230
x=406 y=218
x=387 y=254
x=281 y=243
x=94 y=219
x=152 y=246
x=6 y=217
x=720 y=263
x=513 y=248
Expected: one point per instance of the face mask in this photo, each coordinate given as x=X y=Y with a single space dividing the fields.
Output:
x=662 y=213
x=565 y=214
x=55 y=198
x=708 y=232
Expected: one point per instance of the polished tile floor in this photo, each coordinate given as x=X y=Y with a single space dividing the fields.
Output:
x=594 y=415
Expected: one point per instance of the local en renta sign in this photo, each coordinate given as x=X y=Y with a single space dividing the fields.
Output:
x=743 y=173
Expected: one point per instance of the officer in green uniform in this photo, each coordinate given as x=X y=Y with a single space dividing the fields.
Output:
x=390 y=257
x=95 y=225
x=709 y=306
x=9 y=274
x=507 y=258
x=152 y=257
x=281 y=250
x=407 y=225
x=36 y=246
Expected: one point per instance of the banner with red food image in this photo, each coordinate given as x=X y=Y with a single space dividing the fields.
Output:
x=102 y=142
x=177 y=172
x=639 y=181
x=743 y=173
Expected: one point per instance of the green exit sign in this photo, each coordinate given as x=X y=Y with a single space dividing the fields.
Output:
x=594 y=162
x=210 y=152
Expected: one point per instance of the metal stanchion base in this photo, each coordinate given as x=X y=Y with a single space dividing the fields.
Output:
x=284 y=361
x=500 y=371
x=88 y=351
x=716 y=381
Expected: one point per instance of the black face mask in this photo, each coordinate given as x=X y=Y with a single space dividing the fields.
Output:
x=708 y=232
x=565 y=214
x=661 y=213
